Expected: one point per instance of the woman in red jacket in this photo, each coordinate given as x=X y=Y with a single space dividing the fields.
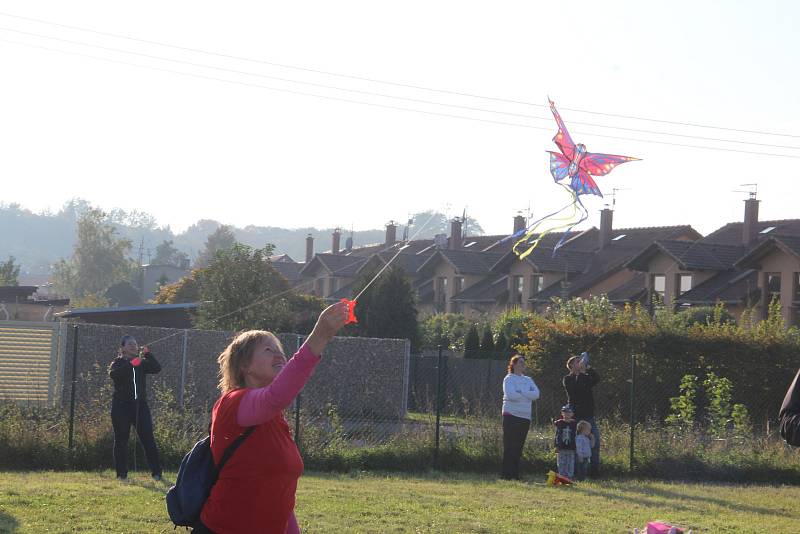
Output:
x=255 y=491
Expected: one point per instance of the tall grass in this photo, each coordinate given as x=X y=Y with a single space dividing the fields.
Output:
x=35 y=438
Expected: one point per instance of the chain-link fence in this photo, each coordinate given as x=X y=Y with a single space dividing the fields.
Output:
x=371 y=402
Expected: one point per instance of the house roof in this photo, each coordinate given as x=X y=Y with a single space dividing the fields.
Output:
x=335 y=264
x=409 y=261
x=290 y=271
x=788 y=244
x=76 y=312
x=12 y=293
x=731 y=233
x=490 y=289
x=633 y=290
x=732 y=287
x=464 y=261
x=625 y=244
x=689 y=255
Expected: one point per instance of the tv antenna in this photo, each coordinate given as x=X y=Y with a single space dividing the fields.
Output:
x=614 y=195
x=752 y=190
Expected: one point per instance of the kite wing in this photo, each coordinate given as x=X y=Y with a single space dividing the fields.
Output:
x=562 y=138
x=559 y=166
x=583 y=184
x=602 y=164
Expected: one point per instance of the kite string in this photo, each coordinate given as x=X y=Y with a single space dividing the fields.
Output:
x=393 y=257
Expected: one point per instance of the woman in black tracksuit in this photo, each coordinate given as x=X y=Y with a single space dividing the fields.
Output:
x=129 y=406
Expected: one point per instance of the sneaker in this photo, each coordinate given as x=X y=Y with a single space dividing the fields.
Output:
x=157 y=478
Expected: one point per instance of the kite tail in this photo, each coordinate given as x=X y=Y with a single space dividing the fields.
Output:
x=584 y=216
x=531 y=230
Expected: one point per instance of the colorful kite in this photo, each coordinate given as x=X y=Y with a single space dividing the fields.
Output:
x=575 y=163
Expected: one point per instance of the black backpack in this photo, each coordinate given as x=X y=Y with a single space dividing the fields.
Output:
x=196 y=476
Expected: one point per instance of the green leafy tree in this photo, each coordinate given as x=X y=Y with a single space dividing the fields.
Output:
x=487 y=342
x=683 y=408
x=501 y=347
x=387 y=309
x=221 y=239
x=514 y=326
x=426 y=224
x=123 y=294
x=9 y=273
x=718 y=395
x=445 y=329
x=99 y=259
x=187 y=289
x=240 y=289
x=167 y=254
x=472 y=343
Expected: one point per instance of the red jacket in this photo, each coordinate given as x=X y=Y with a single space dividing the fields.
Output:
x=255 y=492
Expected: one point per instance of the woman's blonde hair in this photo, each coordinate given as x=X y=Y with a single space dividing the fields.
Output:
x=237 y=356
x=582 y=425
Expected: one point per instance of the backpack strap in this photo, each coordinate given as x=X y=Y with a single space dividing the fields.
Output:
x=232 y=448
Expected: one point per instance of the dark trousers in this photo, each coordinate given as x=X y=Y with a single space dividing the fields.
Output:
x=515 y=430
x=125 y=414
x=200 y=528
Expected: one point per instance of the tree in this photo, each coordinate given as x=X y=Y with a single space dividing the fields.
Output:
x=9 y=273
x=387 y=309
x=445 y=329
x=472 y=343
x=240 y=289
x=221 y=239
x=487 y=343
x=501 y=346
x=187 y=289
x=98 y=260
x=167 y=254
x=123 y=294
x=427 y=224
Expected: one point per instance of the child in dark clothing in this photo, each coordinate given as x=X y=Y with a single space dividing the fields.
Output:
x=566 y=429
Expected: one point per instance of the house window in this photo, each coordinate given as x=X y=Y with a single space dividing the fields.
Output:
x=516 y=289
x=773 y=286
x=684 y=283
x=658 y=284
x=319 y=287
x=334 y=285
x=458 y=285
x=537 y=284
x=796 y=293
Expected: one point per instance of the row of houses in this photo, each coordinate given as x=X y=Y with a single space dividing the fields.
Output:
x=742 y=264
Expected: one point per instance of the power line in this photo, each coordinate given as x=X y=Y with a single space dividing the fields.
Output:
x=386 y=106
x=384 y=95
x=374 y=80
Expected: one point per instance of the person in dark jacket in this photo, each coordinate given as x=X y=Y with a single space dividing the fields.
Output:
x=789 y=416
x=129 y=372
x=578 y=384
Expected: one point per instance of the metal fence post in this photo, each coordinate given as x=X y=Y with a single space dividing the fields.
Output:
x=183 y=369
x=633 y=411
x=74 y=382
x=439 y=373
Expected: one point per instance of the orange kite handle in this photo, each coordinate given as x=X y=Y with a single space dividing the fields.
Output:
x=351 y=311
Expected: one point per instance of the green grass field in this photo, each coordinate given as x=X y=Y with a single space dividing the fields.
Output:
x=34 y=502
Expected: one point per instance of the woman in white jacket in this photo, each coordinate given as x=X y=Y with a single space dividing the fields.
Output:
x=519 y=391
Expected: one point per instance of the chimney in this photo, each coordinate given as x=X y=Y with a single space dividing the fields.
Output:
x=519 y=223
x=309 y=248
x=606 y=217
x=750 y=226
x=337 y=236
x=391 y=233
x=455 y=234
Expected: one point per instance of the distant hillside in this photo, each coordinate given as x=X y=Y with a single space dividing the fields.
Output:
x=37 y=240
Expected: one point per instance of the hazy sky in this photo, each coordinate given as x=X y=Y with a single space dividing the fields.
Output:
x=126 y=131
